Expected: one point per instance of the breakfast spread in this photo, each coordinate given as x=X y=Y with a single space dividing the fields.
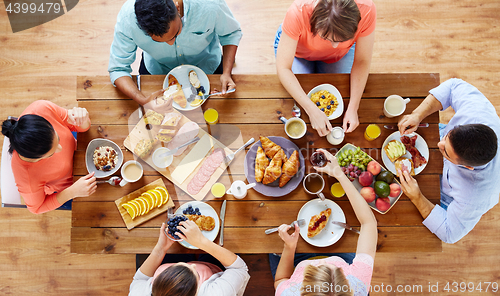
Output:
x=105 y=158
x=147 y=201
x=318 y=223
x=325 y=101
x=279 y=167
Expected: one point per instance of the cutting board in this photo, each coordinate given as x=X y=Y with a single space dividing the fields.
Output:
x=141 y=132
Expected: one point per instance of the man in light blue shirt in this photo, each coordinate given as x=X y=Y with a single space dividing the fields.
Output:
x=172 y=34
x=470 y=184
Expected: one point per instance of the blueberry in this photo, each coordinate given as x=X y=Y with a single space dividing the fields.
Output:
x=186 y=211
x=322 y=96
x=318 y=103
x=197 y=209
x=332 y=102
x=176 y=236
x=322 y=109
x=329 y=107
x=190 y=207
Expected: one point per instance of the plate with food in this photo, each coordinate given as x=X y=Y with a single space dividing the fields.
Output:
x=103 y=157
x=275 y=164
x=328 y=99
x=320 y=231
x=409 y=150
x=204 y=216
x=179 y=84
x=377 y=185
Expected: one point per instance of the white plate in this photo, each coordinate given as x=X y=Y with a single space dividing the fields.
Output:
x=182 y=75
x=334 y=91
x=331 y=233
x=206 y=210
x=420 y=144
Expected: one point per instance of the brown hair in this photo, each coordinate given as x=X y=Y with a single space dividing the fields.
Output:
x=325 y=280
x=176 y=280
x=337 y=19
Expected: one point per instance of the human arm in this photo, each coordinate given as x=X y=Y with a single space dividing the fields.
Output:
x=409 y=123
x=284 y=60
x=229 y=55
x=411 y=189
x=359 y=76
x=154 y=260
x=285 y=267
x=367 y=241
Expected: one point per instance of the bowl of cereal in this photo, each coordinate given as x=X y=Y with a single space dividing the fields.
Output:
x=328 y=99
x=103 y=157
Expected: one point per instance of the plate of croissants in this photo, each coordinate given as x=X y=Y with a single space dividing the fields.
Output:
x=275 y=164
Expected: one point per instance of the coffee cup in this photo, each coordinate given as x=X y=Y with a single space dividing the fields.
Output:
x=295 y=127
x=313 y=184
x=131 y=172
x=395 y=105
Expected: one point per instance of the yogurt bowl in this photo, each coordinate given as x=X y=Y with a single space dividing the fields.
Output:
x=162 y=162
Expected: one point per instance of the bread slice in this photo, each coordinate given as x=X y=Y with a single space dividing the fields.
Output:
x=153 y=117
x=406 y=163
x=394 y=150
x=171 y=120
x=165 y=135
x=144 y=148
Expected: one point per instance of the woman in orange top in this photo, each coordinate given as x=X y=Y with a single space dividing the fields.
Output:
x=42 y=148
x=326 y=36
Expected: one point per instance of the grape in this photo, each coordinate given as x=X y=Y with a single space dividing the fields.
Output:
x=353 y=162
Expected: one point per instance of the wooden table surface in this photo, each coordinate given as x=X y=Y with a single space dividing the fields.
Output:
x=254 y=108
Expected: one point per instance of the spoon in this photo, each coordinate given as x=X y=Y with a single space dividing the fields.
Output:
x=115 y=180
x=295 y=110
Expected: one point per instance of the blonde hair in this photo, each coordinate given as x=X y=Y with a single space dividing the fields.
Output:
x=336 y=19
x=325 y=280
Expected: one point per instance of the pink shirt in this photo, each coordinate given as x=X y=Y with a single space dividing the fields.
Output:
x=204 y=269
x=314 y=48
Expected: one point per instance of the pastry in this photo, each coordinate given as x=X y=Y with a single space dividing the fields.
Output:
x=261 y=163
x=165 y=135
x=205 y=223
x=394 y=150
x=174 y=91
x=290 y=168
x=404 y=163
x=273 y=171
x=144 y=148
x=153 y=117
x=318 y=222
x=271 y=148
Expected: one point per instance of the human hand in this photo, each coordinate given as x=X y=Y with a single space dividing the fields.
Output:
x=408 y=124
x=78 y=116
x=409 y=185
x=164 y=243
x=227 y=83
x=319 y=121
x=351 y=121
x=289 y=239
x=332 y=167
x=157 y=102
x=85 y=186
x=192 y=234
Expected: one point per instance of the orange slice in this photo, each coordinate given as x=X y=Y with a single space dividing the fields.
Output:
x=130 y=210
x=157 y=197
x=148 y=203
x=138 y=207
x=144 y=205
x=164 y=194
x=150 y=198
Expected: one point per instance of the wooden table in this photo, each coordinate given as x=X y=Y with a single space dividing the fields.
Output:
x=254 y=108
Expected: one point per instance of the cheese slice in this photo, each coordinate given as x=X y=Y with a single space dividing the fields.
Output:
x=192 y=159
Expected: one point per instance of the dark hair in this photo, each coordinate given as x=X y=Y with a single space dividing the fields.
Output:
x=32 y=136
x=337 y=19
x=154 y=16
x=474 y=144
x=178 y=280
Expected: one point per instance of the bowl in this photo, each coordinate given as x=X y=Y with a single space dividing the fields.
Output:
x=89 y=159
x=334 y=91
x=162 y=162
x=168 y=226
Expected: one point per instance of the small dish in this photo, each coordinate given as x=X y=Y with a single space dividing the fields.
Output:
x=162 y=162
x=171 y=224
x=335 y=92
x=89 y=157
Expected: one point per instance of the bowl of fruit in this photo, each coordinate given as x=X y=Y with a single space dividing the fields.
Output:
x=172 y=224
x=376 y=184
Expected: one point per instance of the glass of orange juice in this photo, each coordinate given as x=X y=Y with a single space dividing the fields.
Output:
x=218 y=190
x=211 y=116
x=337 y=190
x=372 y=132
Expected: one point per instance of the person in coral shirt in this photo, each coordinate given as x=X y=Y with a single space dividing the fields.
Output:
x=42 y=148
x=326 y=36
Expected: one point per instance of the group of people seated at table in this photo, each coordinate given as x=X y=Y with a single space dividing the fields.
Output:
x=316 y=36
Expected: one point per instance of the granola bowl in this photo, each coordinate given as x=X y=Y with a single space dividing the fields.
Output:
x=93 y=147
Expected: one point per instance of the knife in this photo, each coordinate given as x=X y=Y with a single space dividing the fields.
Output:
x=393 y=127
x=345 y=225
x=173 y=151
x=222 y=215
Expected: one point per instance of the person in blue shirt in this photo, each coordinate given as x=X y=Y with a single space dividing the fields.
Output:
x=471 y=166
x=172 y=34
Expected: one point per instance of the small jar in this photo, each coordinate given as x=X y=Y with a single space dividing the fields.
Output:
x=318 y=159
x=336 y=136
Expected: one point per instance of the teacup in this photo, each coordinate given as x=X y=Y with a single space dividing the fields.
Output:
x=295 y=127
x=395 y=105
x=131 y=172
x=313 y=184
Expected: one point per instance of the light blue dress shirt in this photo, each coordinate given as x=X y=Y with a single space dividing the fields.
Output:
x=206 y=25
x=468 y=193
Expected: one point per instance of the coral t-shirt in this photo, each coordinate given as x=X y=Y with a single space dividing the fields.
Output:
x=38 y=182
x=313 y=48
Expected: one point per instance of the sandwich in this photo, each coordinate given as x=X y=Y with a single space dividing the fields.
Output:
x=394 y=150
x=403 y=164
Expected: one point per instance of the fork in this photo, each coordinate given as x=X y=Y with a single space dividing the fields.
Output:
x=230 y=157
x=300 y=222
x=204 y=97
x=170 y=213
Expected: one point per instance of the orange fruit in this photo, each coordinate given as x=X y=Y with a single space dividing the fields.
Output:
x=150 y=198
x=157 y=197
x=164 y=194
x=144 y=206
x=130 y=210
x=138 y=207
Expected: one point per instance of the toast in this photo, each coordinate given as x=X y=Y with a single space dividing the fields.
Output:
x=318 y=223
x=144 y=148
x=394 y=150
x=153 y=117
x=403 y=163
x=165 y=135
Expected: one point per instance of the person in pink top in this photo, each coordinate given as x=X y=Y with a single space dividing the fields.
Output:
x=191 y=278
x=326 y=36
x=42 y=147
x=331 y=275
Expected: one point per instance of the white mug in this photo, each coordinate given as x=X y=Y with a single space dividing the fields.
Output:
x=318 y=193
x=395 y=105
x=287 y=123
x=126 y=180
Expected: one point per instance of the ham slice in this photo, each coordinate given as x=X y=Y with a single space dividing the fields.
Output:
x=186 y=133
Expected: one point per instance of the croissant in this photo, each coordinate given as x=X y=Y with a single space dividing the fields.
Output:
x=261 y=163
x=271 y=148
x=273 y=171
x=290 y=168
